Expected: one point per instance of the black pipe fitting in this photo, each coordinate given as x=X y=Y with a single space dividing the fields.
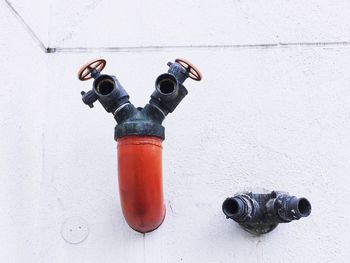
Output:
x=241 y=208
x=261 y=213
x=110 y=92
x=147 y=121
x=167 y=87
x=168 y=94
x=285 y=208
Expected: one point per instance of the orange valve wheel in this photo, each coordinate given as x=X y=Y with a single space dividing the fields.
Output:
x=192 y=70
x=86 y=70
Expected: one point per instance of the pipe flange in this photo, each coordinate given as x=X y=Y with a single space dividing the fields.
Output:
x=259 y=229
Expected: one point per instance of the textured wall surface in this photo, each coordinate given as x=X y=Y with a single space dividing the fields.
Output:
x=272 y=111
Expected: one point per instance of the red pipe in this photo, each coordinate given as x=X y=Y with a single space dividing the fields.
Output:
x=140 y=181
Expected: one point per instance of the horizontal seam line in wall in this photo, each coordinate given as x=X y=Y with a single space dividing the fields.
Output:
x=194 y=47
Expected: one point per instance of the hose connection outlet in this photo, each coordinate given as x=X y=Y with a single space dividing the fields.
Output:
x=261 y=213
x=139 y=134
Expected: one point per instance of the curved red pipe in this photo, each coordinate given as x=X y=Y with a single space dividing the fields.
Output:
x=140 y=181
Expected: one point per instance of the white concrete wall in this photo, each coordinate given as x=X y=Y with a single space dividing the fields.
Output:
x=272 y=111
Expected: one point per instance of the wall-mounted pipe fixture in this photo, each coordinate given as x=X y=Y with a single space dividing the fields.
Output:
x=261 y=213
x=139 y=134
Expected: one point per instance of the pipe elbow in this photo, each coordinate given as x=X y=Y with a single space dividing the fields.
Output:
x=140 y=182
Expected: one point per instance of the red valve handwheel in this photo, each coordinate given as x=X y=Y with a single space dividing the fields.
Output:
x=193 y=72
x=85 y=71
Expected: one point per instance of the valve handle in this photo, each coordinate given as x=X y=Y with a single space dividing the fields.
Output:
x=192 y=70
x=94 y=65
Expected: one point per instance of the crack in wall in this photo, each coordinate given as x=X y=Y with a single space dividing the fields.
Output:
x=160 y=48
